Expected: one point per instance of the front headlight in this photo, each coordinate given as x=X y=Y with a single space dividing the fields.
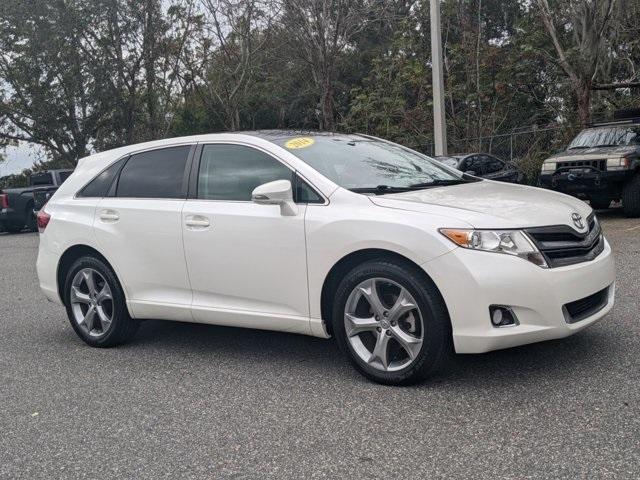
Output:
x=617 y=163
x=549 y=166
x=510 y=242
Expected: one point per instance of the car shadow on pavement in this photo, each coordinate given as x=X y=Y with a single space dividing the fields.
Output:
x=539 y=363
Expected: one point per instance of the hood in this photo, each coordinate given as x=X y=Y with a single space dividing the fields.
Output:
x=488 y=204
x=596 y=153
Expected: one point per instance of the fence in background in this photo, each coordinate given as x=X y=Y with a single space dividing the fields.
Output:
x=513 y=146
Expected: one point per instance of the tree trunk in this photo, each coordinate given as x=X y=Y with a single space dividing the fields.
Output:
x=327 y=105
x=583 y=98
x=150 y=57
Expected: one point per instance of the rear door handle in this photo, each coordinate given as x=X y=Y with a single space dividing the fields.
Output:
x=109 y=216
x=197 y=222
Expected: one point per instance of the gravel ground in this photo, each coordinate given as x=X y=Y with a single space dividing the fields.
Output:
x=196 y=401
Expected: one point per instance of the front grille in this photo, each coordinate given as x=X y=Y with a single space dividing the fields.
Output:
x=585 y=307
x=561 y=245
x=600 y=164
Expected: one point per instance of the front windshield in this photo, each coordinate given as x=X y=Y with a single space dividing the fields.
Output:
x=359 y=163
x=607 y=137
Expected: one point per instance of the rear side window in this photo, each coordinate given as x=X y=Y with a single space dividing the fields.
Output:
x=155 y=174
x=64 y=176
x=41 y=179
x=99 y=186
x=232 y=172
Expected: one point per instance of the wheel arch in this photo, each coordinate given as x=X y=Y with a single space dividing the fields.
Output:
x=350 y=261
x=72 y=254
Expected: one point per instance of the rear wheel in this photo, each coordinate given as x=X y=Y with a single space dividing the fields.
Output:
x=631 y=197
x=31 y=223
x=14 y=227
x=96 y=304
x=391 y=322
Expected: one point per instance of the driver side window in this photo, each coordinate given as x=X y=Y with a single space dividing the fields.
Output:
x=232 y=172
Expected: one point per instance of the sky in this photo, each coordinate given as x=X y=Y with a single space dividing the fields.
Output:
x=20 y=157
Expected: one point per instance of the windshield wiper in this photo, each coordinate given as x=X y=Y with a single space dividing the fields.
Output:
x=577 y=147
x=606 y=145
x=380 y=189
x=438 y=183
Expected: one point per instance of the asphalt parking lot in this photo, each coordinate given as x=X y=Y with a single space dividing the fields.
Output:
x=196 y=401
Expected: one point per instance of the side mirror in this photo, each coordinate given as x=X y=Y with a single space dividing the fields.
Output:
x=279 y=192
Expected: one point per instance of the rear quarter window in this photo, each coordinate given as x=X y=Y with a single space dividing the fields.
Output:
x=99 y=186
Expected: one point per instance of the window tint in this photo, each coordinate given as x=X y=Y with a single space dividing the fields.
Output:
x=473 y=163
x=44 y=178
x=64 y=176
x=305 y=194
x=99 y=186
x=155 y=174
x=492 y=164
x=232 y=172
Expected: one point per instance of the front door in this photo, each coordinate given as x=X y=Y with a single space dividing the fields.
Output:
x=246 y=262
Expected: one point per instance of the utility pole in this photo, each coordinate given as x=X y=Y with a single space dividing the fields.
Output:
x=439 y=123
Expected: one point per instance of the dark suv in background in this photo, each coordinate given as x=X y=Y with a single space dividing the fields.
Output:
x=601 y=164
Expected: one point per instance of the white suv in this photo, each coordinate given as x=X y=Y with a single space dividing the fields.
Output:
x=396 y=255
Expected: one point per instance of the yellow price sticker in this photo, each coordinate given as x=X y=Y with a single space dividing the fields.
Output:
x=300 y=142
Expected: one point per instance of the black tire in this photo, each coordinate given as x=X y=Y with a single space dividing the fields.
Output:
x=122 y=327
x=14 y=228
x=437 y=341
x=600 y=203
x=631 y=197
x=30 y=219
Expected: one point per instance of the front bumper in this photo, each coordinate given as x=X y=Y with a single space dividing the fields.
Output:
x=584 y=182
x=471 y=281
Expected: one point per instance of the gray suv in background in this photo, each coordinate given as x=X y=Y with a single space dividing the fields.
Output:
x=601 y=164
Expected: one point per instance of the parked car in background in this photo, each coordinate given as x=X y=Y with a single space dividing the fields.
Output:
x=396 y=255
x=601 y=164
x=17 y=205
x=486 y=166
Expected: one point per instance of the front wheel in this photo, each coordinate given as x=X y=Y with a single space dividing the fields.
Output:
x=96 y=304
x=391 y=322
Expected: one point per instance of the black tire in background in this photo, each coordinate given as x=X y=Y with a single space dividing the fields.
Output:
x=600 y=203
x=14 y=227
x=631 y=197
x=437 y=340
x=30 y=219
x=122 y=327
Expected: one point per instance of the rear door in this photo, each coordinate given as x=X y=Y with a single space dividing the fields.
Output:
x=138 y=225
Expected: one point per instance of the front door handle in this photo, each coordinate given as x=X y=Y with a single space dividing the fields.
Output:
x=197 y=222
x=109 y=216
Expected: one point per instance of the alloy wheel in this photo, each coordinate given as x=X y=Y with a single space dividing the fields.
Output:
x=383 y=324
x=91 y=302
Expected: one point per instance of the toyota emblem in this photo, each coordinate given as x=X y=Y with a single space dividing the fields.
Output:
x=578 y=221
